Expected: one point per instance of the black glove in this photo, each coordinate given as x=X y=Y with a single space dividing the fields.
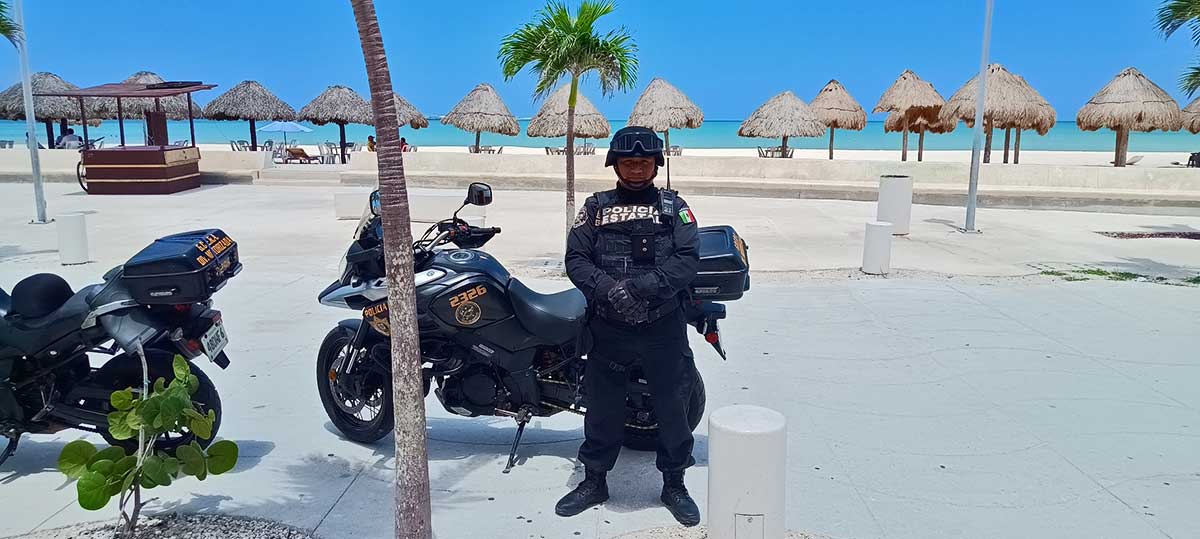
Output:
x=622 y=299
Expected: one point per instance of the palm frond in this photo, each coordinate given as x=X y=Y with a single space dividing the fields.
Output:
x=8 y=28
x=1175 y=14
x=1190 y=80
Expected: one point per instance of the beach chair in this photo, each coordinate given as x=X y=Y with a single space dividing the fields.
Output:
x=1194 y=160
x=1132 y=160
x=267 y=146
x=279 y=154
x=6 y=143
x=300 y=156
x=500 y=150
x=549 y=150
x=761 y=153
x=233 y=146
x=243 y=145
x=326 y=152
x=676 y=151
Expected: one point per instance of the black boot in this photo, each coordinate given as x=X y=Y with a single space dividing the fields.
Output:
x=675 y=496
x=593 y=490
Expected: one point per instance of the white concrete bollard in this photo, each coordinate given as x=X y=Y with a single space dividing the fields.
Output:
x=72 y=238
x=747 y=473
x=877 y=248
x=895 y=202
x=349 y=206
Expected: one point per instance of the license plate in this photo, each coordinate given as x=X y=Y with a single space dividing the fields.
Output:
x=214 y=340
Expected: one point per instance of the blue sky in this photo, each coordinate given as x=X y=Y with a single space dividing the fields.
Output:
x=728 y=57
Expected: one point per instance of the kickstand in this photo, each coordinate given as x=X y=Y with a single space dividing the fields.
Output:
x=9 y=449
x=522 y=418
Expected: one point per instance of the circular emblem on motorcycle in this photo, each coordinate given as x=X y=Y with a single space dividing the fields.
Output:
x=468 y=313
x=462 y=256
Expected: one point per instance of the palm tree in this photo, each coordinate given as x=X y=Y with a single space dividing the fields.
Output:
x=413 y=517
x=9 y=29
x=1174 y=15
x=560 y=44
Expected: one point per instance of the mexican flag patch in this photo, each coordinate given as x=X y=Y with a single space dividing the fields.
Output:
x=686 y=216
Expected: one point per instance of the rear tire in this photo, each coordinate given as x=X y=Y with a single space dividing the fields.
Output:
x=159 y=364
x=354 y=428
x=81 y=176
x=640 y=438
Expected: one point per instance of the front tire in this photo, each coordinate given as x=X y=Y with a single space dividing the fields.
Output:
x=645 y=437
x=159 y=365
x=340 y=396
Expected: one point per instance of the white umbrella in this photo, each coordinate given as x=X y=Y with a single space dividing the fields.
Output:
x=285 y=128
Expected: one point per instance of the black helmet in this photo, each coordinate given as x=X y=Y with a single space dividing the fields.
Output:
x=634 y=141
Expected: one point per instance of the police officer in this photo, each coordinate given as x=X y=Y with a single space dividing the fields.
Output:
x=633 y=250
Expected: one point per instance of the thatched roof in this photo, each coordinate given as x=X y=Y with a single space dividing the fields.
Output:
x=482 y=110
x=911 y=95
x=12 y=102
x=1010 y=102
x=663 y=107
x=406 y=113
x=175 y=106
x=1191 y=116
x=249 y=101
x=338 y=105
x=894 y=124
x=836 y=108
x=785 y=115
x=551 y=120
x=1131 y=101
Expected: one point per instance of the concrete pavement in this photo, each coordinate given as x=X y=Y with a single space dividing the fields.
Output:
x=937 y=404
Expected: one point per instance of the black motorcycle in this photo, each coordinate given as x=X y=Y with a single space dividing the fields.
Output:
x=493 y=346
x=155 y=306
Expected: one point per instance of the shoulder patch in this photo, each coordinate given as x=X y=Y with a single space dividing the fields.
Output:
x=686 y=217
x=581 y=217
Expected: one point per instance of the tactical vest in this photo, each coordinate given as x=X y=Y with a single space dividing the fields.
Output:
x=633 y=239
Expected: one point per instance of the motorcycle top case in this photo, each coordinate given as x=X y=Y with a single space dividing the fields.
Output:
x=182 y=268
x=724 y=273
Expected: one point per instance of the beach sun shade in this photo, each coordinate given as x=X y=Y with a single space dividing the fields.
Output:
x=338 y=105
x=46 y=109
x=662 y=107
x=250 y=101
x=285 y=128
x=551 y=120
x=912 y=98
x=482 y=110
x=1130 y=102
x=837 y=109
x=1011 y=103
x=784 y=115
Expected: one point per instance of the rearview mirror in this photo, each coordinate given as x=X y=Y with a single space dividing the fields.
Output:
x=479 y=194
x=376 y=204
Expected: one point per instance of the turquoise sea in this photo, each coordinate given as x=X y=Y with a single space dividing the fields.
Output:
x=713 y=134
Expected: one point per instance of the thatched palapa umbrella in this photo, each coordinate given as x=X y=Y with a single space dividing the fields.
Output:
x=1191 y=117
x=837 y=109
x=406 y=113
x=784 y=115
x=662 y=107
x=341 y=106
x=482 y=110
x=249 y=101
x=551 y=120
x=46 y=109
x=1130 y=102
x=913 y=99
x=175 y=107
x=921 y=125
x=1010 y=103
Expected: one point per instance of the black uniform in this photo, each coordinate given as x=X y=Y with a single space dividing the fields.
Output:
x=648 y=238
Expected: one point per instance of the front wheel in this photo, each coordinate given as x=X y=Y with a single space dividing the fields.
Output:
x=641 y=430
x=358 y=404
x=160 y=366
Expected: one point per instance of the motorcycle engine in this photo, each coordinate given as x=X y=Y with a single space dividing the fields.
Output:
x=473 y=392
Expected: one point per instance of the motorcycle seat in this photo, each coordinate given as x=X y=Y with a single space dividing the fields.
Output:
x=39 y=314
x=557 y=317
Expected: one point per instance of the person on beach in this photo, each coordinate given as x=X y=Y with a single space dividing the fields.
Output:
x=69 y=140
x=632 y=251
x=370 y=143
x=403 y=145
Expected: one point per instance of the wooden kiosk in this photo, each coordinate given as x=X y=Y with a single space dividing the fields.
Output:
x=156 y=168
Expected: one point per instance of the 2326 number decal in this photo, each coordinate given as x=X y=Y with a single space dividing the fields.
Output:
x=469 y=295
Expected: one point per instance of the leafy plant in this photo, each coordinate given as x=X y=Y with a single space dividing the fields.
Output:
x=102 y=474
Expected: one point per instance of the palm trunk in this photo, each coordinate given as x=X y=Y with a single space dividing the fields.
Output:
x=987 y=146
x=831 y=130
x=904 y=145
x=1007 y=139
x=413 y=516
x=1017 y=149
x=921 y=146
x=571 y=151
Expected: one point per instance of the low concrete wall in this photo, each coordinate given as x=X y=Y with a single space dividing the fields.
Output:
x=800 y=171
x=217 y=160
x=16 y=160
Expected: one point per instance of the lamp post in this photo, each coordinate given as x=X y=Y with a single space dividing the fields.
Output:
x=39 y=194
x=976 y=146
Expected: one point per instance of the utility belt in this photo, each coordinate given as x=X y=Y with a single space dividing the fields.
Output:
x=646 y=316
